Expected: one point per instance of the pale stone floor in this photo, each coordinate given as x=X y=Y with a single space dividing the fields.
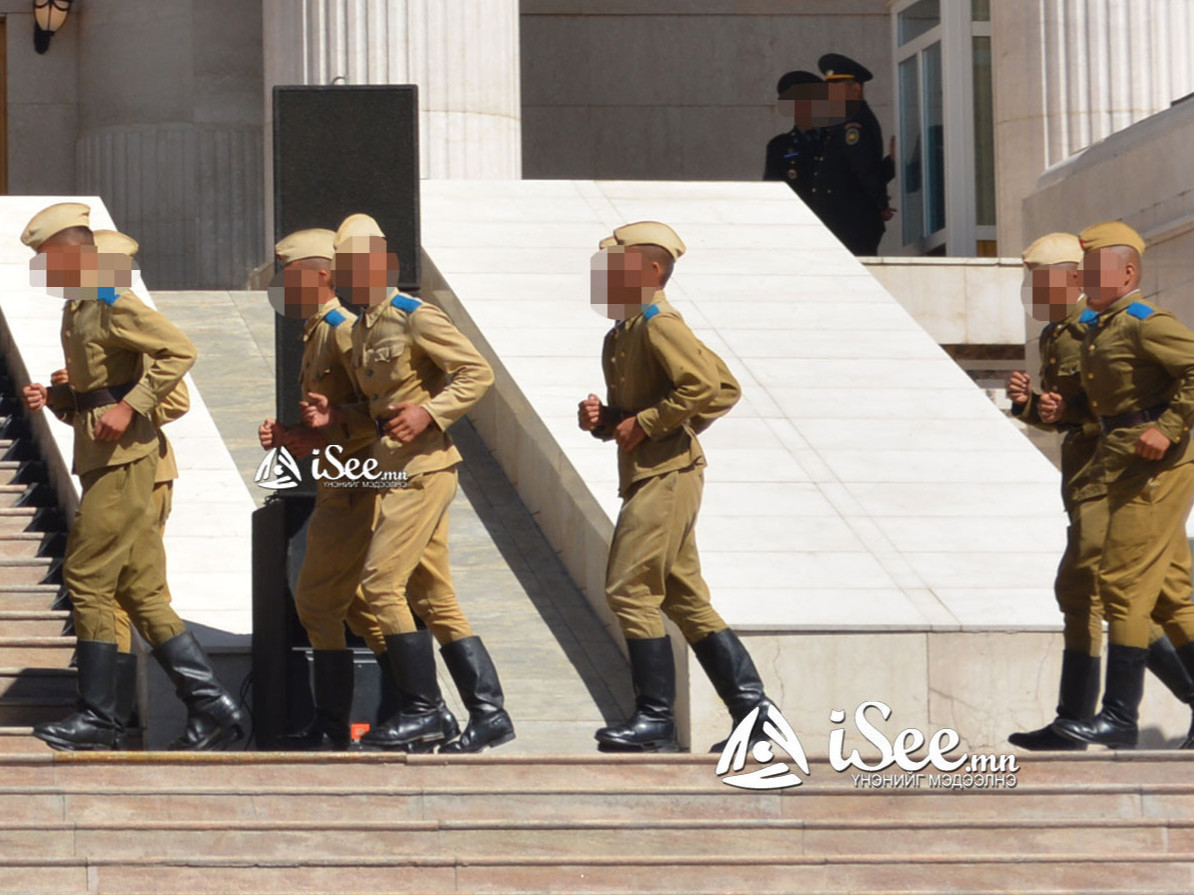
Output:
x=562 y=673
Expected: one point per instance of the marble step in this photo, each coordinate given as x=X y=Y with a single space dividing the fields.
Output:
x=33 y=622
x=36 y=652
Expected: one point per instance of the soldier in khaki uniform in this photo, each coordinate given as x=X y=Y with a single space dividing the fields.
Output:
x=663 y=387
x=122 y=359
x=1052 y=263
x=1138 y=371
x=60 y=399
x=327 y=595
x=419 y=375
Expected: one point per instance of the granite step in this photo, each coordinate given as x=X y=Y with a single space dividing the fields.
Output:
x=36 y=652
x=30 y=598
x=34 y=622
x=23 y=571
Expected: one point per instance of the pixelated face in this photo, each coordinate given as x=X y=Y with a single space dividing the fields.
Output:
x=810 y=106
x=297 y=290
x=842 y=99
x=366 y=269
x=1108 y=276
x=63 y=270
x=623 y=281
x=1050 y=290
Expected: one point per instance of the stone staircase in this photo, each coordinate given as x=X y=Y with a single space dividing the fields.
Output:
x=363 y=823
x=36 y=639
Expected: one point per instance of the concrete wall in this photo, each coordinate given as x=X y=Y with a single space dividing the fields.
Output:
x=679 y=90
x=959 y=301
x=1142 y=176
x=42 y=105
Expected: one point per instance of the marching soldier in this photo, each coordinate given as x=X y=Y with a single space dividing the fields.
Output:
x=419 y=375
x=849 y=191
x=1052 y=262
x=327 y=595
x=791 y=156
x=663 y=387
x=123 y=359
x=60 y=399
x=1137 y=367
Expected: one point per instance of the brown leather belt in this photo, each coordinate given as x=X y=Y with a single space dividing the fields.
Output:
x=101 y=396
x=1135 y=418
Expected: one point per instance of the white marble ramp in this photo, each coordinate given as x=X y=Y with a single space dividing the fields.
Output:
x=864 y=482
x=208 y=536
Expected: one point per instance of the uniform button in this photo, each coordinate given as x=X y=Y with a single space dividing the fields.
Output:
x=1094 y=403
x=1052 y=360
x=1090 y=375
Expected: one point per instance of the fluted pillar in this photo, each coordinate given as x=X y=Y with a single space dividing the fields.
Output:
x=1071 y=73
x=170 y=134
x=463 y=55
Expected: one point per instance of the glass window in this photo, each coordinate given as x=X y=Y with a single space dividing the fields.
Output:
x=980 y=10
x=920 y=17
x=934 y=136
x=912 y=181
x=984 y=135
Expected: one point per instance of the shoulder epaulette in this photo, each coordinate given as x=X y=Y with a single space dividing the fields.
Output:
x=650 y=311
x=405 y=303
x=1088 y=317
x=1140 y=310
x=106 y=294
x=334 y=317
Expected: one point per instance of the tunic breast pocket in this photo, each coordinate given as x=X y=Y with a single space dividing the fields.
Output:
x=389 y=361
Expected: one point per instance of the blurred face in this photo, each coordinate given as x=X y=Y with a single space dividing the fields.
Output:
x=298 y=290
x=366 y=270
x=1107 y=276
x=623 y=282
x=64 y=269
x=1053 y=289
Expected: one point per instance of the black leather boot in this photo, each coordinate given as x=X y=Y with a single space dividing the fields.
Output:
x=477 y=680
x=417 y=723
x=93 y=724
x=126 y=696
x=390 y=702
x=1077 y=700
x=652 y=727
x=213 y=717
x=1185 y=655
x=330 y=730
x=1115 y=725
x=733 y=674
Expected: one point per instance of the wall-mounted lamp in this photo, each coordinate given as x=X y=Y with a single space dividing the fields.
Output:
x=48 y=16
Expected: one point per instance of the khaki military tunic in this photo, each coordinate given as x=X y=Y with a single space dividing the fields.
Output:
x=405 y=351
x=327 y=594
x=658 y=371
x=1137 y=357
x=114 y=550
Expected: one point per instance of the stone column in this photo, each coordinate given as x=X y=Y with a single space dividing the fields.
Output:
x=463 y=55
x=170 y=134
x=1072 y=72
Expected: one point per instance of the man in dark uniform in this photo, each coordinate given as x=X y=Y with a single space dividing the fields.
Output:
x=791 y=156
x=849 y=191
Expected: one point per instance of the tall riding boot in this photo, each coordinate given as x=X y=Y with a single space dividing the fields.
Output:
x=1077 y=700
x=330 y=730
x=126 y=696
x=213 y=717
x=477 y=680
x=652 y=727
x=390 y=702
x=1185 y=655
x=1115 y=725
x=733 y=674
x=93 y=724
x=417 y=724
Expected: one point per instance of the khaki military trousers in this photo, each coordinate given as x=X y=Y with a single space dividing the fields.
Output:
x=1145 y=568
x=163 y=500
x=653 y=561
x=406 y=566
x=1077 y=582
x=114 y=554
x=328 y=594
